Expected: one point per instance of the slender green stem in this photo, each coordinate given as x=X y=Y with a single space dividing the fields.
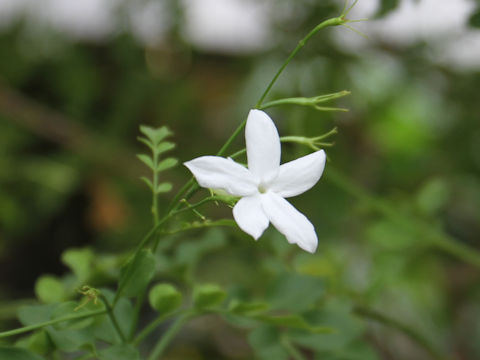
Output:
x=404 y=328
x=113 y=318
x=237 y=132
x=179 y=211
x=434 y=236
x=169 y=335
x=190 y=187
x=291 y=349
x=330 y=22
x=303 y=101
x=204 y=224
x=154 y=190
x=136 y=314
x=178 y=196
x=51 y=322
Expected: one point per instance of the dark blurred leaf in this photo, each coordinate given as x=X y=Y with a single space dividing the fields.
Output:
x=189 y=253
x=433 y=196
x=265 y=342
x=386 y=6
x=475 y=19
x=70 y=308
x=13 y=353
x=137 y=273
x=119 y=352
x=336 y=314
x=295 y=292
x=38 y=342
x=70 y=340
x=388 y=236
x=355 y=351
x=292 y=321
x=34 y=314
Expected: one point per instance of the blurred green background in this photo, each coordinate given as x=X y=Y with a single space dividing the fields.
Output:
x=76 y=81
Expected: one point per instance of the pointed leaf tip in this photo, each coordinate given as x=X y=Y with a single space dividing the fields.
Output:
x=147 y=160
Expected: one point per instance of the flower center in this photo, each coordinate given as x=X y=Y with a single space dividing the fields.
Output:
x=262 y=189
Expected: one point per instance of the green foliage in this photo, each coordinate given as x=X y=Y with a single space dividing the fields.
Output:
x=475 y=18
x=295 y=292
x=164 y=298
x=432 y=197
x=266 y=343
x=387 y=6
x=247 y=308
x=67 y=113
x=80 y=261
x=119 y=352
x=137 y=273
x=153 y=138
x=12 y=353
x=34 y=314
x=338 y=314
x=49 y=289
x=39 y=343
x=208 y=296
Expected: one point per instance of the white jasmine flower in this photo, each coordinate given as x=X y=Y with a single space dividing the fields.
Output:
x=264 y=186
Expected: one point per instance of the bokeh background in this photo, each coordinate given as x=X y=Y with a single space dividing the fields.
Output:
x=77 y=78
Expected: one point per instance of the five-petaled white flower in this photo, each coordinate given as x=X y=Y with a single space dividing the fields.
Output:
x=264 y=186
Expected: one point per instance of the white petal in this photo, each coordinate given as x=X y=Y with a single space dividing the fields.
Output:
x=297 y=176
x=216 y=172
x=263 y=146
x=289 y=221
x=249 y=215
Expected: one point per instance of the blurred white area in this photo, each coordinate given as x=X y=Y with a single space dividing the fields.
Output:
x=232 y=26
x=244 y=26
x=441 y=24
x=82 y=19
x=149 y=20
